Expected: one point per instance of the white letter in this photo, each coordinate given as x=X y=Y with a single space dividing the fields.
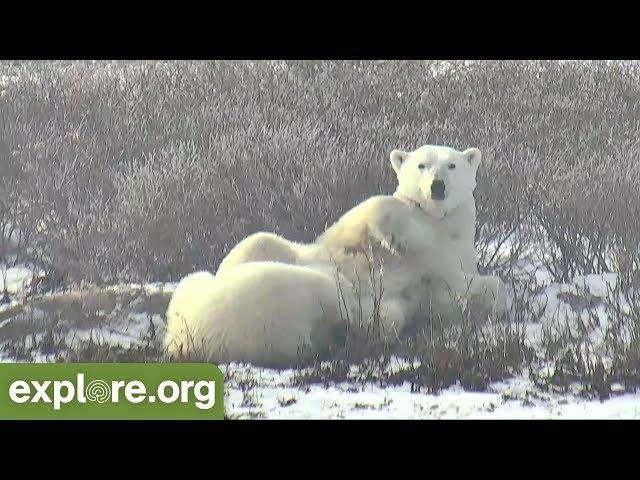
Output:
x=57 y=391
x=80 y=388
x=175 y=391
x=41 y=392
x=134 y=388
x=115 y=391
x=19 y=391
x=210 y=396
x=185 y=386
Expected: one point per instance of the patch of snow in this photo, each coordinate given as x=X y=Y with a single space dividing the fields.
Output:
x=16 y=278
x=273 y=395
x=598 y=285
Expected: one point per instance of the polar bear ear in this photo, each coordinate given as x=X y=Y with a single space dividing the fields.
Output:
x=474 y=157
x=397 y=158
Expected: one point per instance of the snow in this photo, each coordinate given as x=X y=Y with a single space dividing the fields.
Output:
x=275 y=397
x=16 y=278
x=253 y=392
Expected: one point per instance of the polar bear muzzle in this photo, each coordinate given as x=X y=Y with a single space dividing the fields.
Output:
x=437 y=190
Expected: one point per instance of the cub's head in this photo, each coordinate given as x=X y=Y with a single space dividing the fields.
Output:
x=438 y=178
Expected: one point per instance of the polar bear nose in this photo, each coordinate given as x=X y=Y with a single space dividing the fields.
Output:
x=437 y=189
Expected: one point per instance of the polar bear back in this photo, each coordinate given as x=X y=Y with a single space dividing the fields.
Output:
x=266 y=313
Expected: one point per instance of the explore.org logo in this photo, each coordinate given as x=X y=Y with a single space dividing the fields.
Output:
x=111 y=391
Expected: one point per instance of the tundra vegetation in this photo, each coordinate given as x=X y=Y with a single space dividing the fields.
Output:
x=117 y=172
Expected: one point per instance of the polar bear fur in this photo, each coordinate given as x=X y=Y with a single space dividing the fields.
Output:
x=447 y=257
x=266 y=246
x=235 y=318
x=426 y=244
x=272 y=298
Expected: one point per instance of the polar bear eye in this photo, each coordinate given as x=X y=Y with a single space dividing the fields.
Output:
x=422 y=166
x=452 y=166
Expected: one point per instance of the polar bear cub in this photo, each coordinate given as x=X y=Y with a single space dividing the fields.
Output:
x=265 y=313
x=266 y=246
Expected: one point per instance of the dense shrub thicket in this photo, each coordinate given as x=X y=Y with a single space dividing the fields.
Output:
x=149 y=170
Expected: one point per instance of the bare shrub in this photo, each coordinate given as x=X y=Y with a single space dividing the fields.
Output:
x=596 y=351
x=134 y=170
x=431 y=353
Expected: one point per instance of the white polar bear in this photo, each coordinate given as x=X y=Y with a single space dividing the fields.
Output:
x=266 y=246
x=265 y=313
x=263 y=303
x=440 y=182
x=426 y=231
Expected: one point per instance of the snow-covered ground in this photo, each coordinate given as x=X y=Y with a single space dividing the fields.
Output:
x=275 y=396
x=262 y=393
x=15 y=279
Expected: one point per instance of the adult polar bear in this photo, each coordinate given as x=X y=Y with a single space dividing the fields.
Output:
x=428 y=227
x=270 y=296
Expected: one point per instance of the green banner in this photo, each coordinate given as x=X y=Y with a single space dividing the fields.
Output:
x=110 y=391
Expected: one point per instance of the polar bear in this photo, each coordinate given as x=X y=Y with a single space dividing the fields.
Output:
x=266 y=313
x=236 y=317
x=266 y=246
x=270 y=298
x=425 y=230
x=440 y=181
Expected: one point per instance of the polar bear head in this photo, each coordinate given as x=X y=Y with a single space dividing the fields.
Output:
x=437 y=178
